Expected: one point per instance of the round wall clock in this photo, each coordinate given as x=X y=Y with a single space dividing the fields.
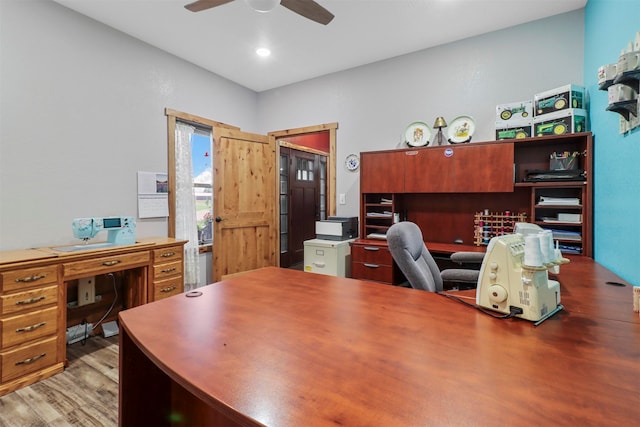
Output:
x=352 y=162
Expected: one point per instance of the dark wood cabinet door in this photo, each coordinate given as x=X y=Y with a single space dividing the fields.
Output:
x=460 y=169
x=483 y=168
x=430 y=170
x=382 y=172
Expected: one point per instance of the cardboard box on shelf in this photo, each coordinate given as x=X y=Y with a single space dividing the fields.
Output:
x=515 y=132
x=514 y=111
x=561 y=98
x=572 y=120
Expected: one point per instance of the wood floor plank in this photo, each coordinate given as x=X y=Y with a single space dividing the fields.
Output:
x=85 y=394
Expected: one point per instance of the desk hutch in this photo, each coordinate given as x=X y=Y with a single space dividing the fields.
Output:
x=36 y=286
x=442 y=188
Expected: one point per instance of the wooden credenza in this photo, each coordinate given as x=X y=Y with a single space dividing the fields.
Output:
x=442 y=189
x=37 y=286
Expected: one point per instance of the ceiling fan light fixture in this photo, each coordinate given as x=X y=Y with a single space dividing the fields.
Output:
x=263 y=52
x=263 y=5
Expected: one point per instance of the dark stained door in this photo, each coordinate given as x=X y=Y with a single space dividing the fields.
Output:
x=304 y=203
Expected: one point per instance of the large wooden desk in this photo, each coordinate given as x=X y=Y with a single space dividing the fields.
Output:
x=286 y=348
x=37 y=284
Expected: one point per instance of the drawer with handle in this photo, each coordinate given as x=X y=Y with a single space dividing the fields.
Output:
x=166 y=288
x=372 y=271
x=26 y=327
x=167 y=254
x=106 y=264
x=166 y=270
x=371 y=254
x=29 y=358
x=28 y=277
x=28 y=300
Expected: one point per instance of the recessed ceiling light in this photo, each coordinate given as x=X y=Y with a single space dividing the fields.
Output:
x=263 y=51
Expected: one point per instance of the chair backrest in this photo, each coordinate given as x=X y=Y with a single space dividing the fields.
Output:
x=410 y=253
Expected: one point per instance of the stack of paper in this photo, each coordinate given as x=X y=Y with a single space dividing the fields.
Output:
x=565 y=201
x=566 y=235
x=385 y=214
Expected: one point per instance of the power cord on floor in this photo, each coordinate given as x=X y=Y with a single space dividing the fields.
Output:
x=113 y=304
x=86 y=331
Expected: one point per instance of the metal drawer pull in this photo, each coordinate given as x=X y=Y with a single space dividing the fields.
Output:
x=30 y=360
x=167 y=254
x=168 y=270
x=110 y=263
x=167 y=289
x=31 y=278
x=31 y=328
x=371 y=248
x=30 y=300
x=371 y=265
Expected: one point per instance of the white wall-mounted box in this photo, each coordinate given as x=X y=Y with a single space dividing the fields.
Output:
x=86 y=290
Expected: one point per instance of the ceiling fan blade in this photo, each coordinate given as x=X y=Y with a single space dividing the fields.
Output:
x=309 y=9
x=199 y=5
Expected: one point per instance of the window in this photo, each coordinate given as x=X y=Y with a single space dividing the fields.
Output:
x=201 y=161
x=284 y=203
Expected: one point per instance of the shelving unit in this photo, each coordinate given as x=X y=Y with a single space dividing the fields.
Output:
x=549 y=214
x=442 y=188
x=379 y=212
x=575 y=237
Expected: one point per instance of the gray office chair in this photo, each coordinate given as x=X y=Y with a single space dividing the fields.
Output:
x=416 y=263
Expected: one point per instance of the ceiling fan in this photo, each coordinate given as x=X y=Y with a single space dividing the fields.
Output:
x=307 y=8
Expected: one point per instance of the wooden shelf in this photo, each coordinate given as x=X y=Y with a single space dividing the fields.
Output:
x=441 y=196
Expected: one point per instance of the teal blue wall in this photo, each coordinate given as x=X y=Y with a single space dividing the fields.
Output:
x=609 y=26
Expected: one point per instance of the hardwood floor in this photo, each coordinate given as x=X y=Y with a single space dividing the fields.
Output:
x=85 y=394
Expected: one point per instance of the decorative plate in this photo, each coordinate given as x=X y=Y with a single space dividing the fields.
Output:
x=352 y=162
x=461 y=129
x=417 y=134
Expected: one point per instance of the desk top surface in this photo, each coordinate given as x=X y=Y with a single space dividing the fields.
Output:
x=9 y=258
x=289 y=348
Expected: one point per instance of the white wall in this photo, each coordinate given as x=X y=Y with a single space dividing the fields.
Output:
x=373 y=104
x=82 y=110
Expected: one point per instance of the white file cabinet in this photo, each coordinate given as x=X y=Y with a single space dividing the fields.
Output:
x=329 y=257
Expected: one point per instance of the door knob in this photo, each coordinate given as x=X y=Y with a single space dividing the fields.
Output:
x=218 y=219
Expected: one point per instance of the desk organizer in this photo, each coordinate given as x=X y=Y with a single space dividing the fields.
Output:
x=488 y=225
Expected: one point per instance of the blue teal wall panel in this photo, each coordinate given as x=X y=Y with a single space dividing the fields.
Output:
x=609 y=26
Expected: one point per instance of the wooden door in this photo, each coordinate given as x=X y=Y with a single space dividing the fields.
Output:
x=304 y=176
x=244 y=198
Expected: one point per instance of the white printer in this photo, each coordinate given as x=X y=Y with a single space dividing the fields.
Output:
x=337 y=228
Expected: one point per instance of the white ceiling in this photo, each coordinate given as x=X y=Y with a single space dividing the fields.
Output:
x=224 y=39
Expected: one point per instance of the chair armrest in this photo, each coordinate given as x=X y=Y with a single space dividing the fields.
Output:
x=467 y=257
x=461 y=275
